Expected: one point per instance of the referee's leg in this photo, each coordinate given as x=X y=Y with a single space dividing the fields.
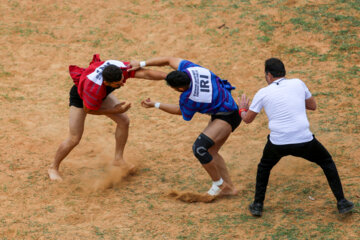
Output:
x=316 y=152
x=269 y=159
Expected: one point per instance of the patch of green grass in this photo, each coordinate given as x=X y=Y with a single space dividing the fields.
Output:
x=264 y=39
x=96 y=43
x=212 y=32
x=322 y=19
x=352 y=4
x=286 y=232
x=25 y=31
x=265 y=27
x=305 y=24
x=199 y=6
x=98 y=232
x=327 y=230
x=50 y=209
x=329 y=94
x=306 y=53
x=307 y=191
x=4 y=73
x=234 y=31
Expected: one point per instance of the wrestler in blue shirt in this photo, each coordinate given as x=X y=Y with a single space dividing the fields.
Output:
x=204 y=92
x=207 y=92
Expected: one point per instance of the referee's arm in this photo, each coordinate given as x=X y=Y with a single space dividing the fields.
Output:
x=248 y=116
x=310 y=103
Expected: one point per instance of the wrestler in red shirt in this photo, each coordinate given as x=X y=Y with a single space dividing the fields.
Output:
x=92 y=94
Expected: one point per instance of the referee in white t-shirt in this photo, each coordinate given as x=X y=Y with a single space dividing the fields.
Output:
x=285 y=102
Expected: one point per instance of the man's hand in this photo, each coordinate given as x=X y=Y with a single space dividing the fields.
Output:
x=135 y=65
x=246 y=115
x=243 y=102
x=169 y=108
x=122 y=107
x=147 y=103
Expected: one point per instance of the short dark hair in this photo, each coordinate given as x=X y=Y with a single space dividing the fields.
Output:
x=177 y=79
x=112 y=73
x=275 y=66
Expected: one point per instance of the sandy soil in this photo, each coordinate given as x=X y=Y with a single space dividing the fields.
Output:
x=39 y=39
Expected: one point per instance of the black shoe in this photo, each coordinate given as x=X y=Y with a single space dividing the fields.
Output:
x=256 y=209
x=344 y=206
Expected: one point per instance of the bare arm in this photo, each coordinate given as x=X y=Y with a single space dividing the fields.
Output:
x=118 y=108
x=169 y=108
x=158 y=61
x=246 y=115
x=310 y=103
x=150 y=74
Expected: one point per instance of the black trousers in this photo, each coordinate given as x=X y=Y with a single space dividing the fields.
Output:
x=313 y=151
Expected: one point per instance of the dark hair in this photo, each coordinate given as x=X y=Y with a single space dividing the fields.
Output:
x=275 y=67
x=112 y=73
x=177 y=79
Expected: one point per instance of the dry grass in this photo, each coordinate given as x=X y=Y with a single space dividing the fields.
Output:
x=317 y=40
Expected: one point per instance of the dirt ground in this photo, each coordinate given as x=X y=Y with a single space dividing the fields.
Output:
x=318 y=42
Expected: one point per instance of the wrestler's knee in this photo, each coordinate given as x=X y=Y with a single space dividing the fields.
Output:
x=74 y=140
x=201 y=147
x=122 y=120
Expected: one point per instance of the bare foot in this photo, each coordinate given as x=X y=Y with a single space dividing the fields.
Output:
x=54 y=174
x=131 y=168
x=227 y=190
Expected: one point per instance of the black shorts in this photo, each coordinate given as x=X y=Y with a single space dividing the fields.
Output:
x=233 y=119
x=75 y=99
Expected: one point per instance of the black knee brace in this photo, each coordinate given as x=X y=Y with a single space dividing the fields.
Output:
x=201 y=147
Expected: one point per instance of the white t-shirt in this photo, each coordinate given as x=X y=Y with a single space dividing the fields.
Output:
x=284 y=104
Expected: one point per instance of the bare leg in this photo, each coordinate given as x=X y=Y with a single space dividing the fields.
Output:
x=219 y=131
x=220 y=162
x=212 y=169
x=121 y=132
x=121 y=135
x=76 y=128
